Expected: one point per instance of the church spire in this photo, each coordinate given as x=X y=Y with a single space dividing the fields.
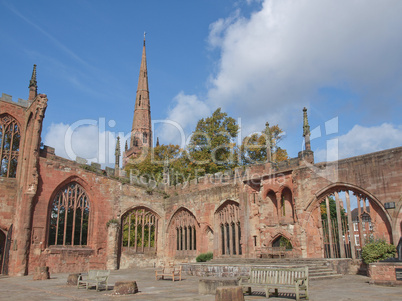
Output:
x=141 y=132
x=33 y=86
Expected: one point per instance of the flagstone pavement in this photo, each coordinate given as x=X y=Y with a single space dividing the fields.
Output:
x=349 y=287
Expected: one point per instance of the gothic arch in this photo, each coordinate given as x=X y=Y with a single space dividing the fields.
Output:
x=173 y=215
x=183 y=233
x=69 y=214
x=139 y=230
x=397 y=224
x=229 y=228
x=10 y=142
x=278 y=236
x=334 y=186
x=353 y=222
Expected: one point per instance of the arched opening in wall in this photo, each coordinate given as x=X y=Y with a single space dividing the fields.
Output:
x=350 y=218
x=69 y=216
x=282 y=242
x=209 y=234
x=287 y=211
x=2 y=248
x=139 y=231
x=272 y=197
x=9 y=146
x=227 y=217
x=183 y=229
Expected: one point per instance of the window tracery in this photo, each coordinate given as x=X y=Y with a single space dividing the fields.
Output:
x=230 y=229
x=69 y=216
x=9 y=146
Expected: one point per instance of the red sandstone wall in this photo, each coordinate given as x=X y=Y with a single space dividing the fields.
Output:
x=8 y=194
x=103 y=194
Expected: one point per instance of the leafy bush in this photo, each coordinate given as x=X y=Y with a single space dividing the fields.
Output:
x=203 y=257
x=376 y=250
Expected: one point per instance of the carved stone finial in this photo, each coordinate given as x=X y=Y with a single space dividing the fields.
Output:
x=268 y=141
x=33 y=81
x=306 y=129
x=117 y=152
x=33 y=86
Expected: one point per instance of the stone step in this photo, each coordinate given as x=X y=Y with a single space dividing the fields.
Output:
x=324 y=277
x=228 y=267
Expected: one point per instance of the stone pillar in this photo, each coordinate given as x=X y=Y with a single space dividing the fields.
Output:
x=112 y=246
x=359 y=222
x=329 y=227
x=351 y=231
x=338 y=216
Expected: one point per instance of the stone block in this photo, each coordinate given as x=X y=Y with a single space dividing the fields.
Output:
x=72 y=279
x=80 y=160
x=96 y=165
x=208 y=286
x=125 y=288
x=41 y=273
x=109 y=171
x=229 y=293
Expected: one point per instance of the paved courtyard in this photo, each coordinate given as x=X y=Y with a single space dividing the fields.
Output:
x=349 y=287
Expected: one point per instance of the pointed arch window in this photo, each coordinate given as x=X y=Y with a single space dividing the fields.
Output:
x=140 y=230
x=9 y=146
x=144 y=138
x=228 y=218
x=69 y=216
x=185 y=225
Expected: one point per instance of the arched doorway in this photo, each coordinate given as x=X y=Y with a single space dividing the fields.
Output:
x=347 y=218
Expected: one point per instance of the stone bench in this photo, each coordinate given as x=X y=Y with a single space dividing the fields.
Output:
x=208 y=286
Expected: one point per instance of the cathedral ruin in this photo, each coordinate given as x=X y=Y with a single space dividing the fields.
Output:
x=56 y=212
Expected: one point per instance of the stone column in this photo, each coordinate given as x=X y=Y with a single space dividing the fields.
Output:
x=338 y=216
x=351 y=232
x=112 y=246
x=359 y=222
x=329 y=227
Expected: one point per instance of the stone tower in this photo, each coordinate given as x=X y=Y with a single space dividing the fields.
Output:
x=141 y=131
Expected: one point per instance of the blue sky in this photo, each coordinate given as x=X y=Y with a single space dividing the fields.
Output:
x=258 y=60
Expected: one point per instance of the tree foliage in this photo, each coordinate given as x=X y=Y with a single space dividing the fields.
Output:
x=212 y=145
x=212 y=149
x=254 y=147
x=376 y=250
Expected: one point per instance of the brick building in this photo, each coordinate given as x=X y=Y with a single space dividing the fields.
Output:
x=72 y=217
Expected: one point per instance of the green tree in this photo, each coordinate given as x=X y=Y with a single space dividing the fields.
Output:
x=212 y=146
x=254 y=147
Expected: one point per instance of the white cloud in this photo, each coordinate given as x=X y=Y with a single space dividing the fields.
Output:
x=275 y=62
x=83 y=139
x=361 y=140
x=182 y=119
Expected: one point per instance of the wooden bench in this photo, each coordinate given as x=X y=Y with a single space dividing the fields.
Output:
x=169 y=271
x=277 y=278
x=95 y=278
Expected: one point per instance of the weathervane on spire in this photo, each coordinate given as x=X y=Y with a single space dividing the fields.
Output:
x=144 y=36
